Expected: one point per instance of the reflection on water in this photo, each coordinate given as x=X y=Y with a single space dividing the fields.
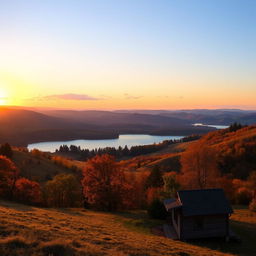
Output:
x=123 y=140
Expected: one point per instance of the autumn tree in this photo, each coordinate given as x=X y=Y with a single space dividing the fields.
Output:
x=199 y=167
x=27 y=191
x=63 y=191
x=171 y=185
x=8 y=176
x=6 y=150
x=136 y=196
x=104 y=184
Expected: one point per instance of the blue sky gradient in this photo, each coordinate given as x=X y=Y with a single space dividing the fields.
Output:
x=139 y=47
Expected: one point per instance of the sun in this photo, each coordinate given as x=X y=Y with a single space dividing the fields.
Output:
x=3 y=98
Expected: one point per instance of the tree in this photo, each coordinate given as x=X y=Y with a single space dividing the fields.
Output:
x=234 y=127
x=199 y=167
x=170 y=185
x=63 y=191
x=6 y=150
x=156 y=210
x=155 y=178
x=104 y=184
x=8 y=176
x=27 y=191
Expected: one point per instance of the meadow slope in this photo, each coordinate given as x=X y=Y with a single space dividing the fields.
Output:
x=34 y=231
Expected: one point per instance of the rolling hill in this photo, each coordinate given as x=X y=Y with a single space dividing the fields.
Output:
x=205 y=116
x=29 y=230
x=236 y=153
x=20 y=127
x=37 y=167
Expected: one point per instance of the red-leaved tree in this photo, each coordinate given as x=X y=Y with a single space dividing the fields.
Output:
x=104 y=184
x=8 y=176
x=27 y=191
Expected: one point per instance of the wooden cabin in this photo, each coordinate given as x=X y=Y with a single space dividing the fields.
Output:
x=200 y=213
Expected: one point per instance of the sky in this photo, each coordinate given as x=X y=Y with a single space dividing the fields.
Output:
x=131 y=54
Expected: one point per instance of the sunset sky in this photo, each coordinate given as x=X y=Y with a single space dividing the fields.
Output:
x=171 y=54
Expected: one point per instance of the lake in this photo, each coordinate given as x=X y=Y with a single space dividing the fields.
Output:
x=123 y=140
x=212 y=125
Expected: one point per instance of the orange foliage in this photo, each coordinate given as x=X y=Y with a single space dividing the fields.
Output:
x=8 y=176
x=27 y=191
x=199 y=167
x=227 y=184
x=136 y=198
x=104 y=184
x=152 y=194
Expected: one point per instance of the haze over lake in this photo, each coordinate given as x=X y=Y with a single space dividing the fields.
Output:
x=123 y=140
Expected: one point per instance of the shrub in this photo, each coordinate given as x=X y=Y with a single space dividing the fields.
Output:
x=27 y=191
x=156 y=210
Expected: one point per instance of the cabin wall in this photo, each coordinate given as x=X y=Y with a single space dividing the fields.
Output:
x=176 y=221
x=204 y=226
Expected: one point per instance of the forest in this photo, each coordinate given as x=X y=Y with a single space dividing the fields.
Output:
x=224 y=158
x=75 y=152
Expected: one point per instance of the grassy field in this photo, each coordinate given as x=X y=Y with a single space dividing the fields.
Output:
x=34 y=231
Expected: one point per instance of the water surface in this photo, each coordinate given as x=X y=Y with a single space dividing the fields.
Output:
x=123 y=140
x=212 y=125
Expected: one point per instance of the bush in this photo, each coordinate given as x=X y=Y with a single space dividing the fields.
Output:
x=156 y=210
x=27 y=191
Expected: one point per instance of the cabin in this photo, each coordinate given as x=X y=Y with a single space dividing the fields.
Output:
x=200 y=213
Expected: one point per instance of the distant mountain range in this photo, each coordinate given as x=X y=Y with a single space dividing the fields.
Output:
x=22 y=126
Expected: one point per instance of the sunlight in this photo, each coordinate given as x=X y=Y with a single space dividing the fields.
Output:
x=3 y=98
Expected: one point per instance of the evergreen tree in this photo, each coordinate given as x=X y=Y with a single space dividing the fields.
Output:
x=155 y=178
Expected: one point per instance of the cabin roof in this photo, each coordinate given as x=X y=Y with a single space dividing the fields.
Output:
x=172 y=203
x=201 y=202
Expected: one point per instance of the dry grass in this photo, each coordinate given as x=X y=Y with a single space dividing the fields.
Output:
x=35 y=231
x=242 y=214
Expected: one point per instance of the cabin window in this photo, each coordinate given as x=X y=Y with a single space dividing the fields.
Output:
x=198 y=223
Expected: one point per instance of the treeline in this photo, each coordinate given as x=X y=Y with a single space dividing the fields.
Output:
x=120 y=152
x=104 y=184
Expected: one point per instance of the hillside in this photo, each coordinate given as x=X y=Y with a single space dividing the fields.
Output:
x=20 y=127
x=37 y=167
x=166 y=160
x=34 y=231
x=235 y=152
x=205 y=116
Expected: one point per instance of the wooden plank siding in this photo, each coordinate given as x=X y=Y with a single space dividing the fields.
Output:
x=209 y=226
